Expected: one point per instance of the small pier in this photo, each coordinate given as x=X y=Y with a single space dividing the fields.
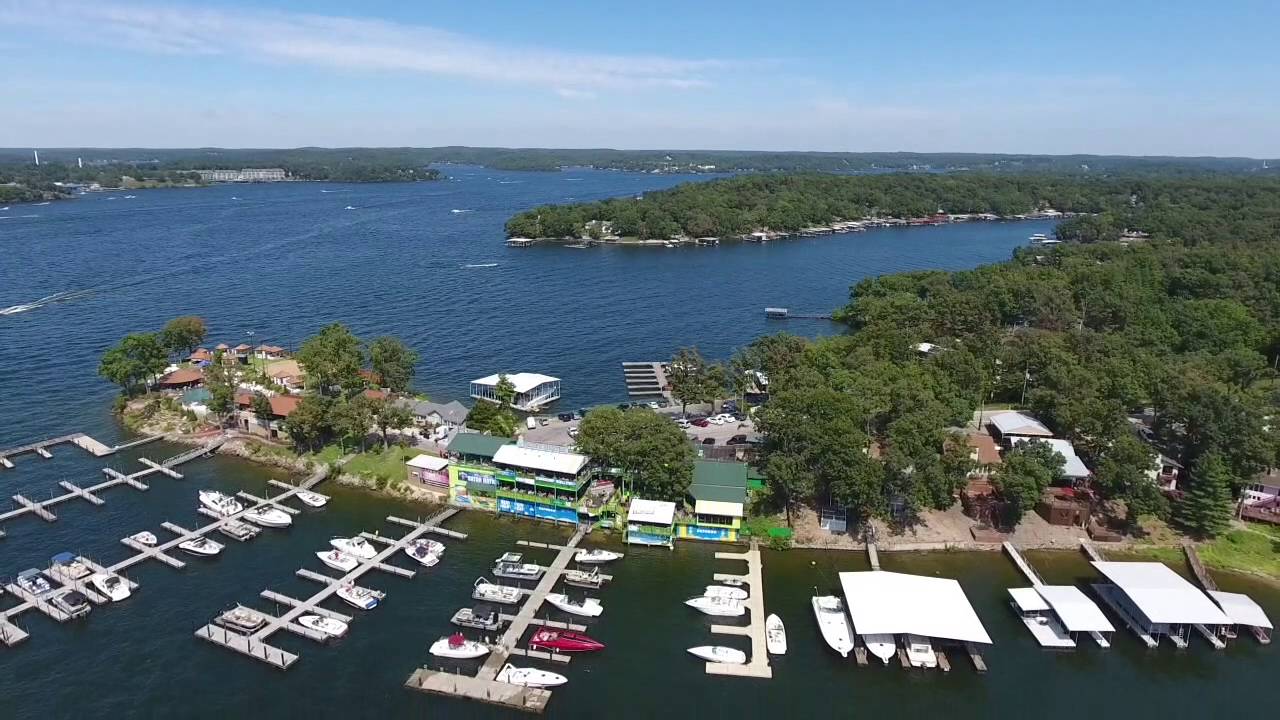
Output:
x=1022 y=563
x=81 y=440
x=255 y=645
x=758 y=665
x=645 y=379
x=1089 y=550
x=873 y=556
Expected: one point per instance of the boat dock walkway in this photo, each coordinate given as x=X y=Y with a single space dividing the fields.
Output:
x=81 y=440
x=483 y=686
x=255 y=645
x=114 y=478
x=758 y=665
x=61 y=581
x=1022 y=564
x=873 y=556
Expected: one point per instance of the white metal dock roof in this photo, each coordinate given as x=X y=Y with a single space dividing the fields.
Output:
x=1076 y=611
x=1161 y=594
x=882 y=602
x=657 y=512
x=544 y=460
x=1028 y=599
x=523 y=382
x=1241 y=609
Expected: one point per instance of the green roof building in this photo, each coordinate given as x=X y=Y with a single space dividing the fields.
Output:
x=719 y=492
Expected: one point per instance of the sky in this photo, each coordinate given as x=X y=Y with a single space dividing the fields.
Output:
x=1132 y=78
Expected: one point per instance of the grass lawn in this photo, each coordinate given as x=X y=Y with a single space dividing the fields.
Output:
x=1247 y=547
x=386 y=465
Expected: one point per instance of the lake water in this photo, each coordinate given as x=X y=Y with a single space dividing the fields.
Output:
x=282 y=260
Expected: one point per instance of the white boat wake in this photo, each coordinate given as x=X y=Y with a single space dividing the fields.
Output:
x=481 y=265
x=461 y=211
x=56 y=297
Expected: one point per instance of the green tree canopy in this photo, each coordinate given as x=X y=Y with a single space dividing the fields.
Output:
x=1026 y=472
x=183 y=334
x=654 y=456
x=333 y=360
x=393 y=362
x=133 y=361
x=1205 y=510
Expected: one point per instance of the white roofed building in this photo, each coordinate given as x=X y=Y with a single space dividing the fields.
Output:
x=1155 y=601
x=1007 y=425
x=1073 y=468
x=532 y=390
x=650 y=522
x=890 y=603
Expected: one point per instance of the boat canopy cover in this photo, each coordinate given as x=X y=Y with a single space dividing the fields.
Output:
x=890 y=603
x=1161 y=594
x=1028 y=599
x=1241 y=609
x=64 y=558
x=1076 y=611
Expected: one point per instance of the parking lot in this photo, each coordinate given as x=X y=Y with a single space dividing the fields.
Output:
x=556 y=431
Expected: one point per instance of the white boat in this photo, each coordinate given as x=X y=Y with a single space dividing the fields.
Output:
x=920 y=651
x=111 y=585
x=595 y=555
x=360 y=597
x=426 y=552
x=241 y=619
x=326 y=625
x=306 y=497
x=717 y=606
x=530 y=677
x=488 y=592
x=517 y=570
x=338 y=560
x=201 y=546
x=719 y=654
x=725 y=591
x=775 y=635
x=144 y=538
x=222 y=504
x=834 y=624
x=456 y=646
x=586 y=607
x=882 y=646
x=733 y=582
x=269 y=517
x=357 y=546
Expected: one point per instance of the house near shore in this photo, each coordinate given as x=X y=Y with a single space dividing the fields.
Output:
x=241 y=353
x=288 y=374
x=719 y=495
x=269 y=427
x=543 y=482
x=428 y=472
x=1007 y=425
x=269 y=352
x=650 y=522
x=181 y=379
x=450 y=416
x=201 y=355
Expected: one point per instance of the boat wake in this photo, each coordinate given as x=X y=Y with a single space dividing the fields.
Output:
x=480 y=265
x=456 y=211
x=56 y=297
x=509 y=182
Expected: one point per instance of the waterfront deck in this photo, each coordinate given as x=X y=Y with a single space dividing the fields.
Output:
x=758 y=665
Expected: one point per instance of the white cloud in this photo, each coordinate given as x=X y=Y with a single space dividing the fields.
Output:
x=348 y=44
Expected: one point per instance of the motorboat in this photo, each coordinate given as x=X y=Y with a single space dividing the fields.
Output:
x=269 y=517
x=456 y=646
x=920 y=651
x=565 y=641
x=517 y=570
x=70 y=566
x=237 y=530
x=883 y=646
x=734 y=582
x=426 y=552
x=338 y=560
x=219 y=503
x=583 y=579
x=475 y=618
x=241 y=619
x=144 y=538
x=595 y=556
x=775 y=635
x=505 y=594
x=724 y=591
x=530 y=677
x=113 y=586
x=510 y=557
x=201 y=546
x=322 y=624
x=719 y=654
x=717 y=606
x=34 y=582
x=72 y=602
x=360 y=597
x=357 y=546
x=834 y=623
x=310 y=499
x=586 y=607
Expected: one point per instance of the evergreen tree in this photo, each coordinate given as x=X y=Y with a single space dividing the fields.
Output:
x=1206 y=508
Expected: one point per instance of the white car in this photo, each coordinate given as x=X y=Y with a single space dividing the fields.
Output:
x=683 y=424
x=653 y=404
x=716 y=419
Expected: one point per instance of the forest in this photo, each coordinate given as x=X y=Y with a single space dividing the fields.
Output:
x=1184 y=325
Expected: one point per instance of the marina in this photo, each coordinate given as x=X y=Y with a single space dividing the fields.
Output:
x=80 y=440
x=758 y=664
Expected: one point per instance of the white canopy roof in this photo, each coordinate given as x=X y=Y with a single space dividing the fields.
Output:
x=544 y=460
x=523 y=382
x=882 y=602
x=1074 y=467
x=1028 y=599
x=427 y=462
x=1076 y=611
x=1161 y=594
x=714 y=507
x=657 y=512
x=1241 y=609
x=1015 y=423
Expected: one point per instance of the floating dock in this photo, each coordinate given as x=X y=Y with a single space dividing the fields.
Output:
x=758 y=665
x=645 y=379
x=81 y=440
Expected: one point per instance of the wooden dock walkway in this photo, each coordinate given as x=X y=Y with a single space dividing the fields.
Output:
x=873 y=556
x=1022 y=563
x=81 y=440
x=1091 y=551
x=758 y=665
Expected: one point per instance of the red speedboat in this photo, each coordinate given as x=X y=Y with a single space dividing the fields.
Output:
x=563 y=641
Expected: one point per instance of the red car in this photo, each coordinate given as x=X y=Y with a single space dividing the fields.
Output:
x=701 y=422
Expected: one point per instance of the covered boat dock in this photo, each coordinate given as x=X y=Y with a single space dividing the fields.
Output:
x=1057 y=614
x=1244 y=612
x=1154 y=601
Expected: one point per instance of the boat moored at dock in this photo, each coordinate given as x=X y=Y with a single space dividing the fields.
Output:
x=530 y=677
x=311 y=499
x=237 y=530
x=565 y=641
x=426 y=552
x=241 y=619
x=360 y=597
x=201 y=547
x=269 y=517
x=72 y=602
x=775 y=635
x=111 y=585
x=883 y=646
x=456 y=646
x=717 y=606
x=595 y=556
x=327 y=625
x=338 y=560
x=357 y=547
x=581 y=578
x=489 y=620
x=719 y=654
x=586 y=607
x=724 y=591
x=486 y=591
x=833 y=623
x=224 y=505
x=920 y=651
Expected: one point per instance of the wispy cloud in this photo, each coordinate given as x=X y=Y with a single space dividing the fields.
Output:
x=353 y=44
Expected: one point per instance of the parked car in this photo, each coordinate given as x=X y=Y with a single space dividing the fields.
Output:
x=664 y=403
x=624 y=406
x=544 y=420
x=653 y=404
x=730 y=406
x=740 y=417
x=683 y=423
x=708 y=441
x=737 y=440
x=573 y=432
x=565 y=417
x=700 y=422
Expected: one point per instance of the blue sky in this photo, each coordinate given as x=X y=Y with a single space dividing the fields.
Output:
x=1174 y=77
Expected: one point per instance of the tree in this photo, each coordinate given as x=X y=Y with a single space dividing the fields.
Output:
x=1205 y=510
x=222 y=392
x=692 y=380
x=653 y=455
x=310 y=422
x=1122 y=470
x=1025 y=473
x=183 y=334
x=488 y=418
x=505 y=391
x=137 y=358
x=333 y=360
x=389 y=416
x=790 y=480
x=393 y=362
x=351 y=418
x=262 y=408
